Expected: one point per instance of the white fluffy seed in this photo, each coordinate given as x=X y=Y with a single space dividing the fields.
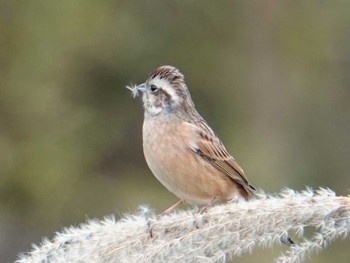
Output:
x=133 y=88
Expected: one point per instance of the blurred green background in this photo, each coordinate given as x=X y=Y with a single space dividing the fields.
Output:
x=271 y=77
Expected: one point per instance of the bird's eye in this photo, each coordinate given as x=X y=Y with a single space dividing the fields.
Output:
x=154 y=88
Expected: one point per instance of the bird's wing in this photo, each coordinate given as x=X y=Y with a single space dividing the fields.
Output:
x=210 y=148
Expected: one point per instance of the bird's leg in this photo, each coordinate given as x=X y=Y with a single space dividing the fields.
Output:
x=171 y=208
x=209 y=204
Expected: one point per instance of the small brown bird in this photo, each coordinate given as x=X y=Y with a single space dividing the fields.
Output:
x=180 y=148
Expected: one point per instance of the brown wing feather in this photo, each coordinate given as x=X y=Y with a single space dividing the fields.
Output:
x=212 y=150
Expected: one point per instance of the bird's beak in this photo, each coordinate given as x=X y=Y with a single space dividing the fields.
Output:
x=142 y=87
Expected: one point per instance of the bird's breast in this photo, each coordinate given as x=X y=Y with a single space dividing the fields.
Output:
x=163 y=148
x=167 y=149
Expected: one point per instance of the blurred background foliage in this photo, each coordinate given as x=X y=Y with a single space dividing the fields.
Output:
x=271 y=77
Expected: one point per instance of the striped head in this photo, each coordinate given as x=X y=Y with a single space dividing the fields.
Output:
x=165 y=91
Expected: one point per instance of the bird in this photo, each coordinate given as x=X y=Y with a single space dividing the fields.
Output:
x=181 y=149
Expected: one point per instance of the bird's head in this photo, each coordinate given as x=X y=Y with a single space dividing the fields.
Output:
x=164 y=91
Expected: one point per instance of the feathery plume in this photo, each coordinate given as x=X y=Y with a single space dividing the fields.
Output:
x=222 y=233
